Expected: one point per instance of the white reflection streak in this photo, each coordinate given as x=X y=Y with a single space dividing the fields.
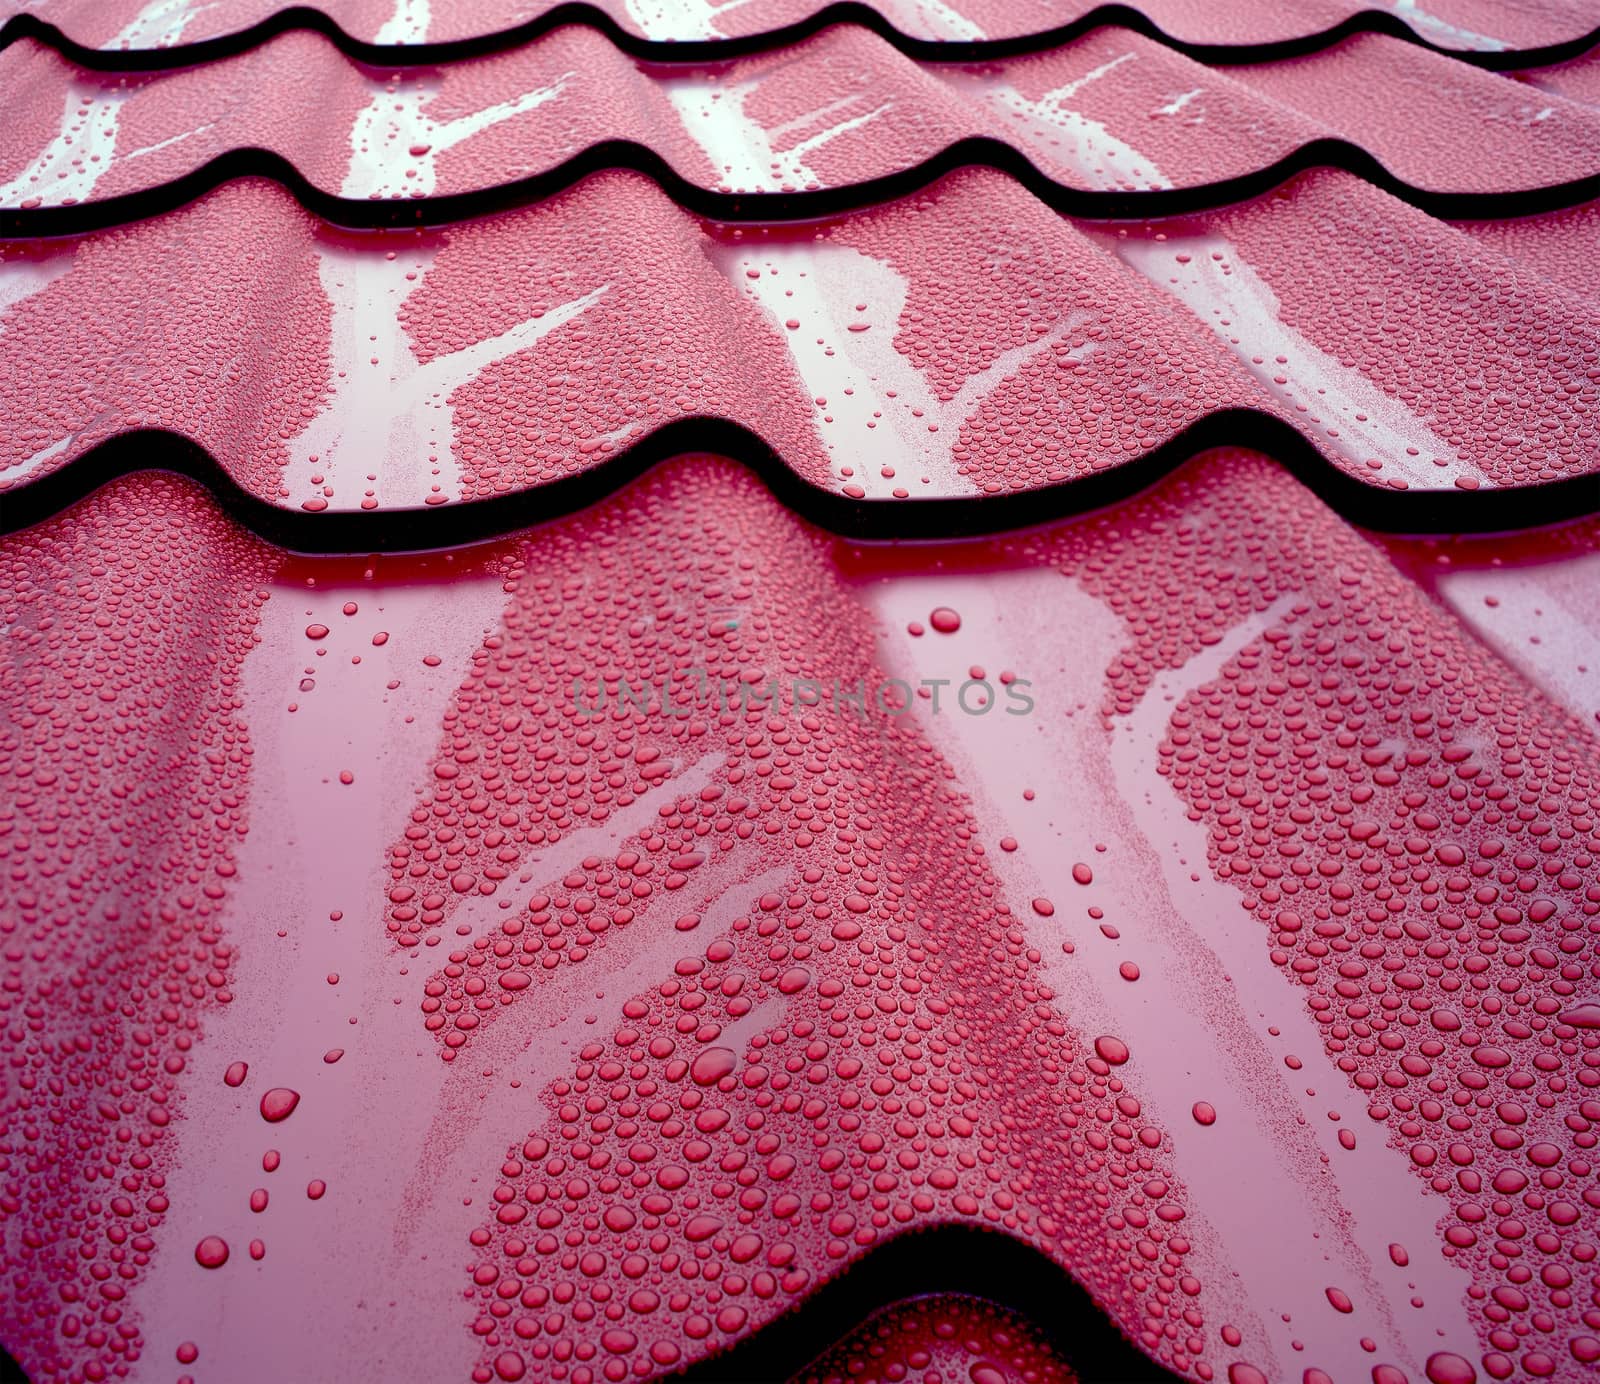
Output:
x=394 y=420
x=1101 y=159
x=1443 y=32
x=394 y=123
x=68 y=168
x=1199 y=1018
x=1228 y=296
x=874 y=392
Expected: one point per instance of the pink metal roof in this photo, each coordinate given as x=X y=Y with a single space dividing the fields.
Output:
x=1494 y=32
x=1109 y=113
x=507 y=353
x=580 y=838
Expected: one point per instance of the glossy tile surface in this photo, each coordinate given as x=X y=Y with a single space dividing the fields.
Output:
x=720 y=922
x=1466 y=26
x=1114 y=111
x=634 y=980
x=890 y=355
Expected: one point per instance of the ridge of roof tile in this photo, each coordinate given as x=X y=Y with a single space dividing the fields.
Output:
x=680 y=936
x=764 y=987
x=1091 y=123
x=1489 y=33
x=508 y=353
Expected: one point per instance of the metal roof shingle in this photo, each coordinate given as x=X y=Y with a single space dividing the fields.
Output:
x=683 y=923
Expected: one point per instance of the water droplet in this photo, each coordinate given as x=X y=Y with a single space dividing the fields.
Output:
x=1111 y=1050
x=1447 y=1368
x=712 y=1065
x=211 y=1252
x=278 y=1104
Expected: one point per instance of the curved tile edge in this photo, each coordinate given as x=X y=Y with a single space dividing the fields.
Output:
x=949 y=1259
x=304 y=17
x=981 y=151
x=424 y=528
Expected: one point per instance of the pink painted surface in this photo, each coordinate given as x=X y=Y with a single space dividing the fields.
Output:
x=563 y=957
x=324 y=369
x=1554 y=245
x=1460 y=25
x=1276 y=908
x=1110 y=111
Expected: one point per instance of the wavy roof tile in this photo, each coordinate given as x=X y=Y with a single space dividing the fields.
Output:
x=506 y=354
x=1489 y=30
x=1279 y=908
x=691 y=930
x=842 y=117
